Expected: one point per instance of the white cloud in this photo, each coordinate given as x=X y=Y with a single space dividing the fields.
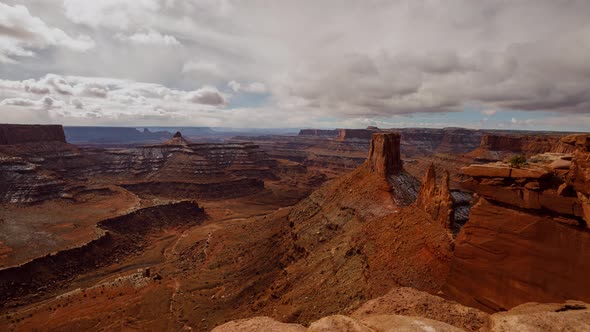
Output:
x=255 y=87
x=152 y=38
x=21 y=33
x=206 y=95
x=17 y=102
x=202 y=68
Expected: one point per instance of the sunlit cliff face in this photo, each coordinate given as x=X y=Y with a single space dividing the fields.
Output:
x=330 y=63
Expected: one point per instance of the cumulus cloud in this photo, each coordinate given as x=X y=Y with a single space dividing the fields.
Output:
x=80 y=97
x=21 y=33
x=206 y=95
x=152 y=38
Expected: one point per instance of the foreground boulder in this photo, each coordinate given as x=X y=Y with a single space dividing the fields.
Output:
x=569 y=316
x=339 y=323
x=411 y=302
x=406 y=309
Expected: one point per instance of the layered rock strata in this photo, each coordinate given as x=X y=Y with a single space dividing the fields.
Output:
x=527 y=236
x=50 y=170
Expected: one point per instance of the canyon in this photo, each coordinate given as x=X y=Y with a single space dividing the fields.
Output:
x=346 y=230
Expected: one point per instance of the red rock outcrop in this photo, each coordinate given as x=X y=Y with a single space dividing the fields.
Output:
x=436 y=201
x=527 y=236
x=19 y=134
x=384 y=154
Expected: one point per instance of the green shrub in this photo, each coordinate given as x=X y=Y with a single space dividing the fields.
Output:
x=517 y=161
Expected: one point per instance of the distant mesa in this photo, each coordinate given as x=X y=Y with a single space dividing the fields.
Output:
x=19 y=134
x=319 y=132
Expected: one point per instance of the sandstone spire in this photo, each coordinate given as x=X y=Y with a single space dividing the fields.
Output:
x=436 y=201
x=384 y=154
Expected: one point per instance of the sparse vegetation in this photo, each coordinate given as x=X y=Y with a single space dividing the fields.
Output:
x=517 y=161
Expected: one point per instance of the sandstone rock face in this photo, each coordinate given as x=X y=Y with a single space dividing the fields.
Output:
x=529 y=317
x=258 y=324
x=505 y=171
x=411 y=302
x=436 y=201
x=505 y=257
x=569 y=316
x=517 y=245
x=384 y=154
x=340 y=323
x=19 y=134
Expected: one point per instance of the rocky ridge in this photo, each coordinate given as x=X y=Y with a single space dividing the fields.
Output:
x=406 y=309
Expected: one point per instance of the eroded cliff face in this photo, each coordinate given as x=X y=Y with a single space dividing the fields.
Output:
x=501 y=146
x=19 y=134
x=436 y=200
x=527 y=237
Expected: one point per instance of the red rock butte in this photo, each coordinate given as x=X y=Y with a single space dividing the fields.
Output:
x=384 y=154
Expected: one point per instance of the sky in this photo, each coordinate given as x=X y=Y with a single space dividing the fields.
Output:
x=508 y=64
